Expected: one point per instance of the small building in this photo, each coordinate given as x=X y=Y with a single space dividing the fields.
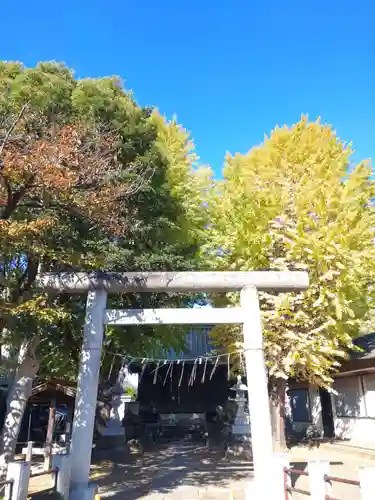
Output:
x=50 y=411
x=187 y=386
x=348 y=412
x=354 y=405
x=182 y=390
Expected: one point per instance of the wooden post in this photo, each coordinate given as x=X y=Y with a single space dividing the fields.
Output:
x=49 y=438
x=29 y=452
x=287 y=478
x=68 y=426
x=30 y=421
x=257 y=384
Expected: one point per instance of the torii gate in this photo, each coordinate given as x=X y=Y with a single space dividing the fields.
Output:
x=99 y=285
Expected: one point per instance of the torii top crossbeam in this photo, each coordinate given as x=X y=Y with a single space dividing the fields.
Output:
x=174 y=281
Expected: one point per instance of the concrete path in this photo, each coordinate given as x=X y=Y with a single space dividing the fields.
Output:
x=178 y=472
x=185 y=471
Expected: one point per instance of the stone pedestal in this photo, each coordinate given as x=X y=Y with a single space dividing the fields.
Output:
x=239 y=446
x=114 y=425
x=112 y=434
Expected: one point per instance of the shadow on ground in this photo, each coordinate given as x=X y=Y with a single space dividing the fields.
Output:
x=167 y=469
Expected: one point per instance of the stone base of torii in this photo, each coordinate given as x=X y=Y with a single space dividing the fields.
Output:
x=97 y=286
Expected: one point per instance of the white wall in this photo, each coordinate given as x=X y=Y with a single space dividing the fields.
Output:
x=355 y=429
x=356 y=421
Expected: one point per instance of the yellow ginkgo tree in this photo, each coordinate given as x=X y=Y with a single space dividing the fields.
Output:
x=297 y=202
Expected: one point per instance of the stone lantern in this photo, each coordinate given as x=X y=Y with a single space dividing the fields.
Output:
x=239 y=446
x=241 y=424
x=119 y=402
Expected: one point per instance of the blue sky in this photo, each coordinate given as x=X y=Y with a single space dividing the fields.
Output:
x=230 y=71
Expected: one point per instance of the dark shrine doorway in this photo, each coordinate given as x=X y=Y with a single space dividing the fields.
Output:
x=327 y=414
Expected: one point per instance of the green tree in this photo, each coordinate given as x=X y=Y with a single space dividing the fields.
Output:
x=187 y=180
x=297 y=203
x=85 y=184
x=168 y=232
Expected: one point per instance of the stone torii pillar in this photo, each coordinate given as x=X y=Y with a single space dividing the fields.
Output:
x=97 y=286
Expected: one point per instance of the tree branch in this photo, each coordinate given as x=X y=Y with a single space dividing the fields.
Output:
x=30 y=275
x=12 y=127
x=13 y=199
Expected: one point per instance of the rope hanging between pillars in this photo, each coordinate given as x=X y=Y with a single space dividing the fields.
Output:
x=182 y=374
x=156 y=373
x=214 y=368
x=144 y=366
x=203 y=361
x=166 y=375
x=193 y=372
x=204 y=371
x=171 y=376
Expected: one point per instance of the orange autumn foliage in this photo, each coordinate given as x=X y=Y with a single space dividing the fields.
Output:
x=73 y=169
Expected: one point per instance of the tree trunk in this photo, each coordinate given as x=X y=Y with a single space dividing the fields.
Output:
x=18 y=396
x=49 y=437
x=277 y=408
x=9 y=360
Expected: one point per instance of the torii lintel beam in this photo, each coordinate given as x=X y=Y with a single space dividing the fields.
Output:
x=220 y=281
